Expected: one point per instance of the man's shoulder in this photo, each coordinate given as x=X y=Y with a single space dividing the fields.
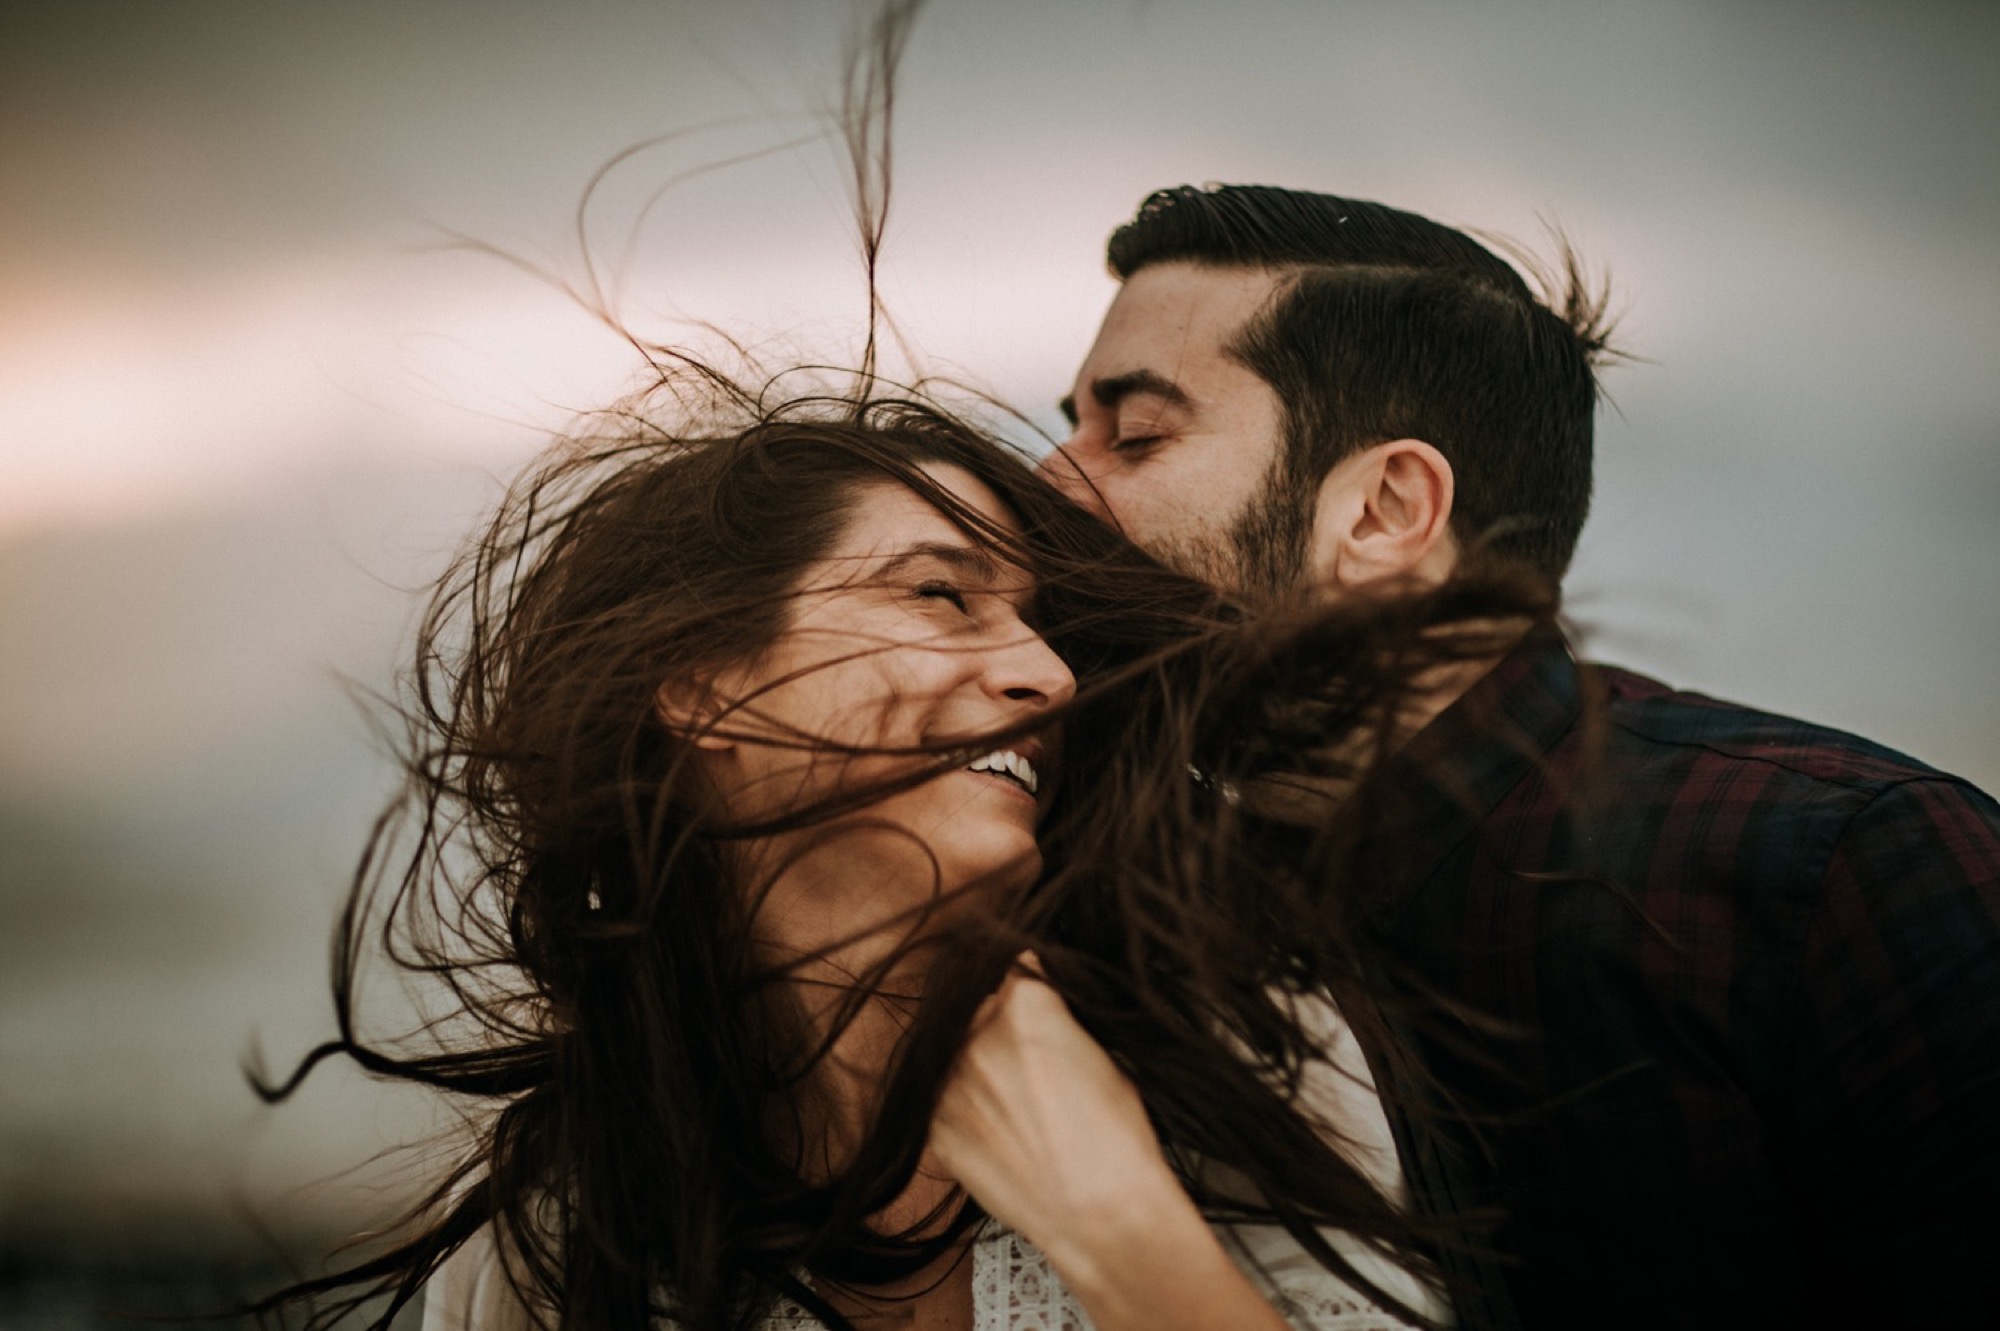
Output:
x=1651 y=723
x=1593 y=768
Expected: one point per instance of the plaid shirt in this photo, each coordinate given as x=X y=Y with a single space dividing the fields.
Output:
x=1754 y=965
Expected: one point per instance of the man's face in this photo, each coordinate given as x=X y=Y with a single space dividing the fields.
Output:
x=1175 y=440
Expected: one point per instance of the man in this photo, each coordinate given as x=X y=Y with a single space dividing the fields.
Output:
x=1750 y=966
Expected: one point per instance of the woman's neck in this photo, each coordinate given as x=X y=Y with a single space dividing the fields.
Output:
x=847 y=916
x=854 y=974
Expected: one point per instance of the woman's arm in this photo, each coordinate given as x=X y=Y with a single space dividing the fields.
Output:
x=1052 y=1139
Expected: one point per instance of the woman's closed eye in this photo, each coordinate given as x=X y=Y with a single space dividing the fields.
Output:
x=943 y=591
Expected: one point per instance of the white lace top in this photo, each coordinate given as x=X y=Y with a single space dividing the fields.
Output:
x=1014 y=1287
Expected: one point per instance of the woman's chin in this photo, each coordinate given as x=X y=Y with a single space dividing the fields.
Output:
x=979 y=826
x=1000 y=858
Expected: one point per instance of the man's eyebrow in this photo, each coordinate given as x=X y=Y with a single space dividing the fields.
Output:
x=1113 y=389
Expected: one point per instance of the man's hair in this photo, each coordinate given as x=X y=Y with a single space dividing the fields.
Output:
x=1393 y=326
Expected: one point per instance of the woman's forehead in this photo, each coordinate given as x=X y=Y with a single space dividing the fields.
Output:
x=887 y=516
x=893 y=532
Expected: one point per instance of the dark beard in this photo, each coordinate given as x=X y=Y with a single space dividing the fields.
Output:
x=1262 y=552
x=1273 y=531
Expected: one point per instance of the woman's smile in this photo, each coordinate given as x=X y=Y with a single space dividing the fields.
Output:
x=1016 y=768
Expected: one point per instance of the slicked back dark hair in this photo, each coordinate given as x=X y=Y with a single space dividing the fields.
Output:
x=1393 y=326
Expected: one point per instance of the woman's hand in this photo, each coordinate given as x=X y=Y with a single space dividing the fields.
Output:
x=1039 y=1124
x=1046 y=1132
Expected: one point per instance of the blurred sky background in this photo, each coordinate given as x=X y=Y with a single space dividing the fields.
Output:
x=248 y=399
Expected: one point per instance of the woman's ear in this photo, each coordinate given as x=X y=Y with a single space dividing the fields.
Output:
x=1383 y=521
x=690 y=709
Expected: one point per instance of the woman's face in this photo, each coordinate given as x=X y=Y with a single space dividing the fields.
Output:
x=910 y=633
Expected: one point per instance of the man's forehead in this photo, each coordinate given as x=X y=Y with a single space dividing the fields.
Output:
x=1167 y=313
x=1193 y=293
x=1167 y=322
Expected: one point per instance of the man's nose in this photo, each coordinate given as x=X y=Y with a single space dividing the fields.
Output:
x=1060 y=468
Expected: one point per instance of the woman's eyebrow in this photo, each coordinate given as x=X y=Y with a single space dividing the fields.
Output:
x=967 y=559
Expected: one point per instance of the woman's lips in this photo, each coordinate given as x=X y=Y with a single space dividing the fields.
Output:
x=1018 y=766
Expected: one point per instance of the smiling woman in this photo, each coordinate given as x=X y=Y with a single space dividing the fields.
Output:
x=728 y=725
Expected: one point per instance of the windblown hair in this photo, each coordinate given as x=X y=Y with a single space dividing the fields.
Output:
x=1389 y=325
x=621 y=1050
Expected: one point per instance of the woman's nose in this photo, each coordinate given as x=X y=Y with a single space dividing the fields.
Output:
x=1032 y=672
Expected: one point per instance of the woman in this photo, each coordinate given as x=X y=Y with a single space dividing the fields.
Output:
x=729 y=755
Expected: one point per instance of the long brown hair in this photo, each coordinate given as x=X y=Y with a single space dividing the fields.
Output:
x=609 y=1025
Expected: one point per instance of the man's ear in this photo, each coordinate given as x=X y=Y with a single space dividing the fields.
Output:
x=1384 y=520
x=690 y=710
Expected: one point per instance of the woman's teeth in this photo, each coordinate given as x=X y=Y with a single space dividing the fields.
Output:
x=1007 y=763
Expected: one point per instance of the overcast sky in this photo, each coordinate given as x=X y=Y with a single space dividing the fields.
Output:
x=246 y=399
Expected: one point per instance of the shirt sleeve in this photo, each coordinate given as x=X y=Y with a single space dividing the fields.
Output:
x=1896 y=1151
x=1310 y=1297
x=1337 y=1094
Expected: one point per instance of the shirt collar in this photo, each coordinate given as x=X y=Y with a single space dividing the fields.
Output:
x=1454 y=772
